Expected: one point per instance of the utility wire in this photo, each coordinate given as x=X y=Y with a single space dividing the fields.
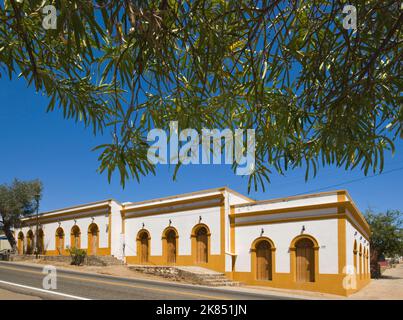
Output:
x=350 y=181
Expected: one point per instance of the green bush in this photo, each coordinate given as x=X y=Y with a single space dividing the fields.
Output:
x=77 y=256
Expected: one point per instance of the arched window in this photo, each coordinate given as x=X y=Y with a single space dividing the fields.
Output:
x=200 y=238
x=75 y=237
x=305 y=258
x=30 y=242
x=93 y=239
x=170 y=245
x=143 y=246
x=263 y=255
x=59 y=240
x=20 y=245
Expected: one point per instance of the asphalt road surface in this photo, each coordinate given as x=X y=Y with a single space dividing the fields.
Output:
x=28 y=280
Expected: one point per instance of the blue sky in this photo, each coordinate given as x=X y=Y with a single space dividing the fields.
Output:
x=36 y=144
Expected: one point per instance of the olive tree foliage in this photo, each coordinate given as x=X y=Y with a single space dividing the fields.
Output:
x=17 y=200
x=316 y=93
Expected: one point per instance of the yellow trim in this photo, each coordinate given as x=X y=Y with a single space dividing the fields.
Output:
x=282 y=220
x=341 y=240
x=122 y=214
x=171 y=204
x=286 y=210
x=62 y=216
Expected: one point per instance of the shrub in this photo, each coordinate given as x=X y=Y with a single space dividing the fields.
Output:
x=77 y=256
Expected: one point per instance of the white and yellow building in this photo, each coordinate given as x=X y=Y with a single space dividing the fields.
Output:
x=317 y=242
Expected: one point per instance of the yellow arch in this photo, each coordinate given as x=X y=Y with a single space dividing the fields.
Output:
x=93 y=227
x=20 y=245
x=75 y=237
x=138 y=245
x=59 y=241
x=165 y=244
x=254 y=259
x=193 y=237
x=30 y=242
x=293 y=255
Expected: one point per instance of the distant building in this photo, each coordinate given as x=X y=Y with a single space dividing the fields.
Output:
x=317 y=242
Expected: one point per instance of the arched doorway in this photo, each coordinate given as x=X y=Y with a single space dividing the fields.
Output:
x=201 y=245
x=75 y=237
x=143 y=246
x=59 y=240
x=20 y=245
x=30 y=242
x=170 y=245
x=93 y=239
x=263 y=260
x=305 y=260
x=41 y=242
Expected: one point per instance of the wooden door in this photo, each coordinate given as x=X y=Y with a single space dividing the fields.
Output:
x=305 y=268
x=263 y=261
x=60 y=243
x=20 y=244
x=94 y=242
x=30 y=243
x=171 y=247
x=201 y=246
x=144 y=248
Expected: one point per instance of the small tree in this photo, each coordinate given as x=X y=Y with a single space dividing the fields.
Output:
x=386 y=236
x=17 y=200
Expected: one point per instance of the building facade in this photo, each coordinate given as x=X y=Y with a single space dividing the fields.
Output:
x=317 y=242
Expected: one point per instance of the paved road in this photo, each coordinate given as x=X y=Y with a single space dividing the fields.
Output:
x=74 y=285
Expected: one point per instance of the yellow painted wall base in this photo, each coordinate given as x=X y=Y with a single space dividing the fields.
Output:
x=326 y=283
x=215 y=262
x=100 y=252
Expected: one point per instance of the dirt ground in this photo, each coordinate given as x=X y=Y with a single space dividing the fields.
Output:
x=389 y=287
x=9 y=295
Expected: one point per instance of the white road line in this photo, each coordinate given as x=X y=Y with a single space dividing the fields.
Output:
x=43 y=290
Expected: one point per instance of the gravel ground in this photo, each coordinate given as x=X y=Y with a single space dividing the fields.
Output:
x=389 y=287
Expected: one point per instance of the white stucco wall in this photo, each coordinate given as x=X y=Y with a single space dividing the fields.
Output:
x=116 y=231
x=352 y=234
x=324 y=231
x=183 y=221
x=83 y=223
x=287 y=203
